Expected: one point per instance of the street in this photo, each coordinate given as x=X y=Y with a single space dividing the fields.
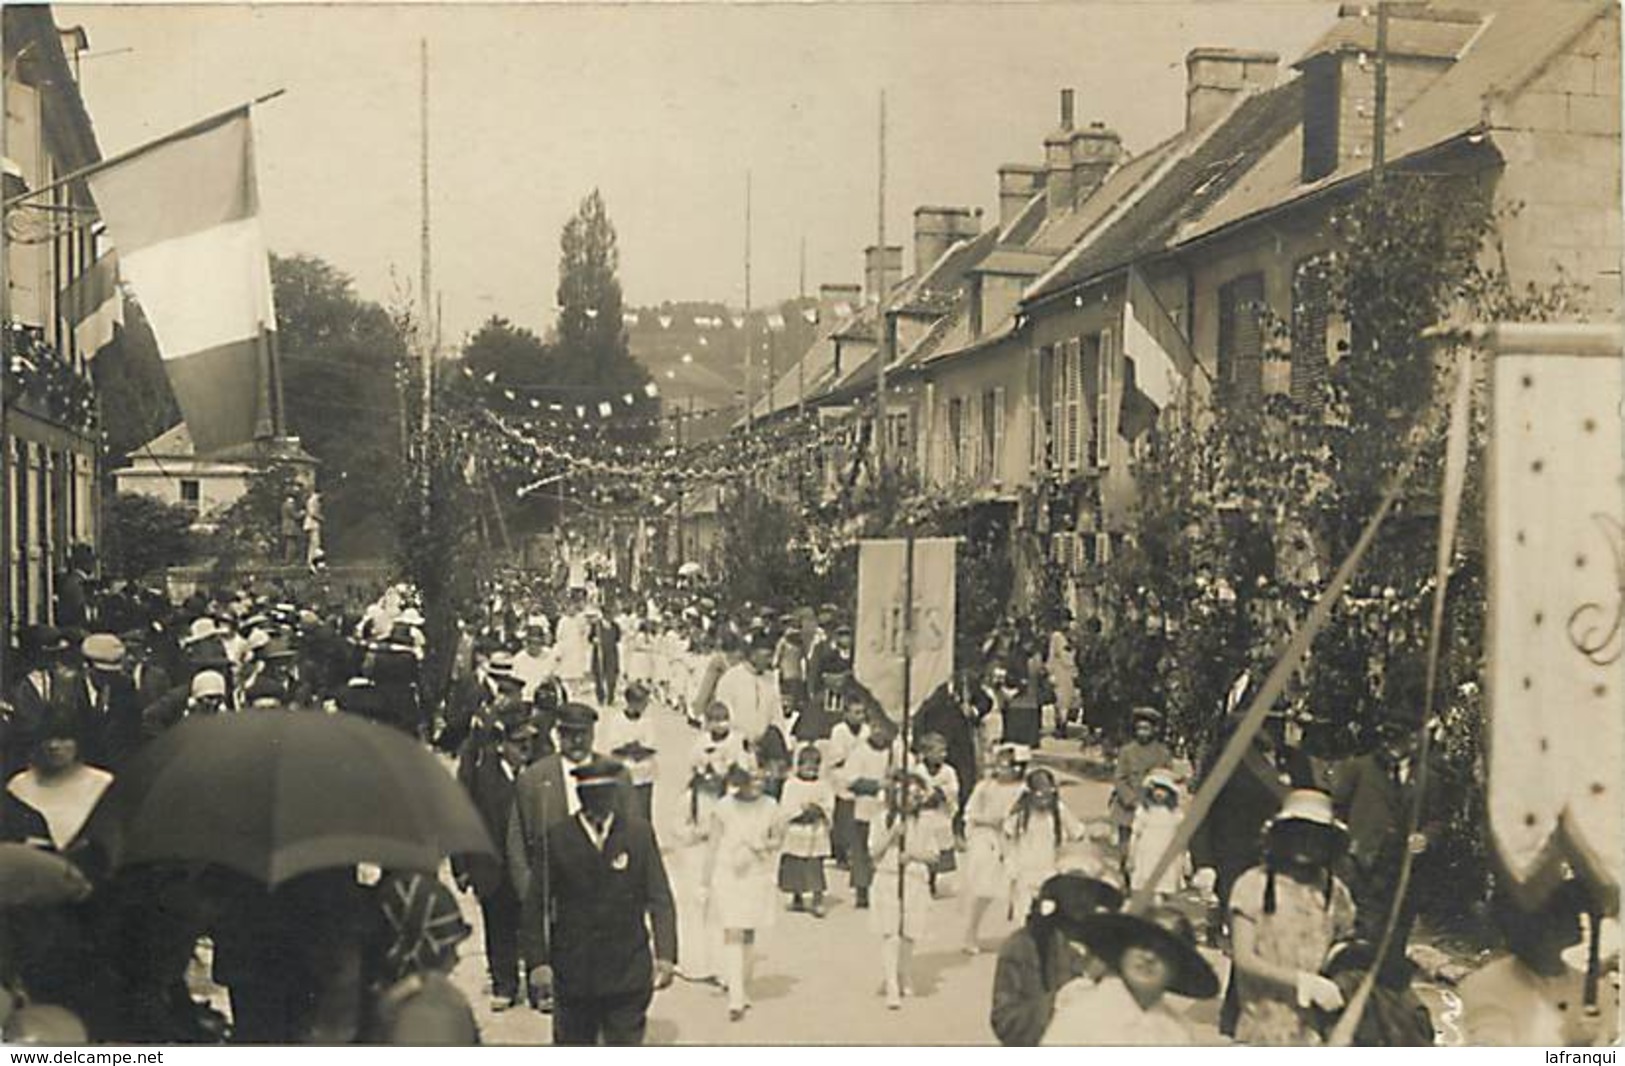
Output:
x=832 y=963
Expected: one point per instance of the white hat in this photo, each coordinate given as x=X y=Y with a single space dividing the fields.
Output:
x=1161 y=778
x=538 y=621
x=410 y=617
x=208 y=683
x=202 y=629
x=1309 y=806
x=258 y=639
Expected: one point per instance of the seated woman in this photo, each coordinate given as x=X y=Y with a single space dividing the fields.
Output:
x=1045 y=954
x=1146 y=958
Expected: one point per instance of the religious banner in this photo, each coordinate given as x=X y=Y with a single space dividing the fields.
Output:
x=891 y=631
x=1556 y=570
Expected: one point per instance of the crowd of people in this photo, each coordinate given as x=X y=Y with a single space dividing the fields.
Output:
x=800 y=790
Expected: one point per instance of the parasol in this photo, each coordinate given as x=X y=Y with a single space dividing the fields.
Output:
x=31 y=877
x=274 y=794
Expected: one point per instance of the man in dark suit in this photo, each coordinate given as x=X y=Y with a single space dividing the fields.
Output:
x=150 y=680
x=545 y=795
x=34 y=695
x=104 y=703
x=609 y=891
x=496 y=751
x=605 y=635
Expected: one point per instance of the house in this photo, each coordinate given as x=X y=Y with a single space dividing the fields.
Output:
x=48 y=432
x=168 y=468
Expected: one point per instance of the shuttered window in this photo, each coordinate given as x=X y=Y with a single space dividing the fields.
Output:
x=956 y=438
x=1241 y=339
x=1072 y=414
x=996 y=460
x=1105 y=405
x=1311 y=305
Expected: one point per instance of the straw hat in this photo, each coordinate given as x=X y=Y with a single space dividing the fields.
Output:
x=1309 y=807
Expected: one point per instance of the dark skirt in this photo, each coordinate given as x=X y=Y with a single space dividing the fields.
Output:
x=800 y=874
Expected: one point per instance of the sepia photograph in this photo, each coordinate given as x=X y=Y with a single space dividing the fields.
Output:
x=844 y=523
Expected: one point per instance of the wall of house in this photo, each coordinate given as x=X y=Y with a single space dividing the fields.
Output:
x=969 y=378
x=1560 y=138
x=218 y=488
x=1000 y=293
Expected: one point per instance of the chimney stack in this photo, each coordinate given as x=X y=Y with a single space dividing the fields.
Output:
x=832 y=297
x=1018 y=184
x=1214 y=77
x=1096 y=151
x=1058 y=160
x=881 y=272
x=937 y=229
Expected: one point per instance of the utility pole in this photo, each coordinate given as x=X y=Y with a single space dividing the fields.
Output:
x=425 y=342
x=1379 y=130
x=749 y=399
x=801 y=287
x=881 y=354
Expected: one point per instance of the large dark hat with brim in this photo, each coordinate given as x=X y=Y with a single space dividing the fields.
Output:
x=1163 y=930
x=1073 y=897
x=1311 y=809
x=500 y=669
x=50 y=639
x=577 y=716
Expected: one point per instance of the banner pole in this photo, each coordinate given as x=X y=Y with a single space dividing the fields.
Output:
x=908 y=668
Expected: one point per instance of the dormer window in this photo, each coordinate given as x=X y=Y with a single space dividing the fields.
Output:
x=1321 y=104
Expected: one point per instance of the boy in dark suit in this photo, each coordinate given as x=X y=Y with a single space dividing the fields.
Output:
x=608 y=890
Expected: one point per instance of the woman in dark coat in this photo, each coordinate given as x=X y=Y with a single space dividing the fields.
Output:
x=1045 y=954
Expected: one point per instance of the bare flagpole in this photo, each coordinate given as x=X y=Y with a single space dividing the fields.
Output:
x=425 y=342
x=879 y=441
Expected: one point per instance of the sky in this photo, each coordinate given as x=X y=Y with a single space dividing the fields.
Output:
x=664 y=107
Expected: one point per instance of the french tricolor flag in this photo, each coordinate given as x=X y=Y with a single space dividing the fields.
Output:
x=183 y=213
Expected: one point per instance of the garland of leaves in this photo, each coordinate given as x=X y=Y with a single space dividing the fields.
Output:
x=34 y=370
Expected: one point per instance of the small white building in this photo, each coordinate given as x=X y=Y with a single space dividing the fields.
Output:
x=169 y=468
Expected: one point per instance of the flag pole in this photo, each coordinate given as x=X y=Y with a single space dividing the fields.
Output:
x=200 y=126
x=908 y=699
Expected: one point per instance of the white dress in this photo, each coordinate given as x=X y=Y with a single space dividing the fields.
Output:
x=986 y=876
x=918 y=853
x=1089 y=1014
x=1033 y=854
x=744 y=878
x=1154 y=829
x=938 y=822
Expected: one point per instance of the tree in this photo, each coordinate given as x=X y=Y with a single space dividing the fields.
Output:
x=339 y=355
x=590 y=353
x=144 y=534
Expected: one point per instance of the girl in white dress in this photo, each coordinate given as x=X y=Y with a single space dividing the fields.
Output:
x=904 y=849
x=986 y=878
x=1036 y=831
x=738 y=882
x=941 y=802
x=1156 y=823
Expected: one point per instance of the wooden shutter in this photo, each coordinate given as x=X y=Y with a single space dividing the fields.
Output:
x=1241 y=339
x=1311 y=304
x=1072 y=417
x=996 y=466
x=1106 y=408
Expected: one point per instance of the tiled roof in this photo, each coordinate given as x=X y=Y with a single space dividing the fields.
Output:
x=176 y=443
x=1065 y=230
x=1027 y=221
x=1518 y=38
x=1428 y=38
x=1021 y=262
x=937 y=291
x=1195 y=177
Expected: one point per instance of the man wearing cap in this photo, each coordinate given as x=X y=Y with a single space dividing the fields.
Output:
x=499 y=747
x=544 y=794
x=609 y=893
x=105 y=704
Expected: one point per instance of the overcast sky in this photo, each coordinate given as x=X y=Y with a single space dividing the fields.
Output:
x=663 y=107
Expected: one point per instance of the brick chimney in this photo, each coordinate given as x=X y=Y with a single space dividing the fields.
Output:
x=1058 y=160
x=881 y=272
x=937 y=229
x=1018 y=184
x=1096 y=150
x=1214 y=77
x=832 y=297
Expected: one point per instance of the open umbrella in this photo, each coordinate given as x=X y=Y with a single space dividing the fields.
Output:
x=29 y=876
x=275 y=794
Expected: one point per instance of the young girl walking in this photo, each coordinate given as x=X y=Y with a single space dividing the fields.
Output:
x=987 y=879
x=1038 y=828
x=1284 y=918
x=941 y=802
x=737 y=882
x=1156 y=823
x=808 y=806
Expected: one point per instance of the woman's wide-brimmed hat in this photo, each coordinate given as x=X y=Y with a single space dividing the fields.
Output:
x=1312 y=808
x=1075 y=897
x=1163 y=930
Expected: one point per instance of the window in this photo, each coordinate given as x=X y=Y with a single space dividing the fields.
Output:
x=1241 y=339
x=996 y=460
x=990 y=435
x=1321 y=91
x=1311 y=304
x=956 y=437
x=1044 y=452
x=191 y=495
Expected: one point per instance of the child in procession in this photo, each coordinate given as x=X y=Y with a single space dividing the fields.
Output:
x=863 y=776
x=986 y=878
x=1143 y=752
x=904 y=850
x=737 y=884
x=1156 y=823
x=808 y=805
x=941 y=804
x=1036 y=831
x=1284 y=918
x=629 y=735
x=849 y=734
x=717 y=749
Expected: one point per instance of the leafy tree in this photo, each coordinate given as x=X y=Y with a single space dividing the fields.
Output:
x=516 y=356
x=339 y=355
x=144 y=534
x=590 y=352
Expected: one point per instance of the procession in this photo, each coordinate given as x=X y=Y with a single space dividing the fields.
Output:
x=1181 y=608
